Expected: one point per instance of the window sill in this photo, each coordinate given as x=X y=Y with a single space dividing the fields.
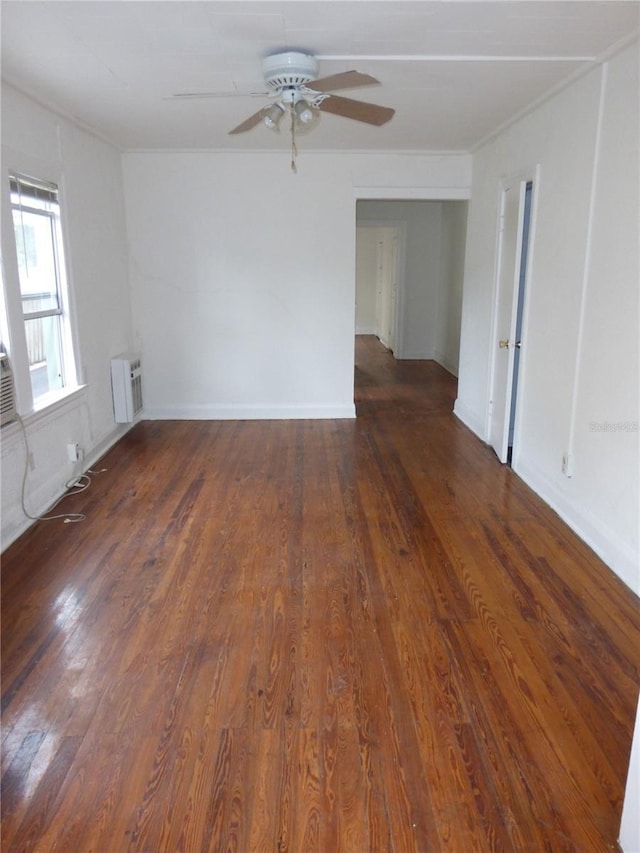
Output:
x=48 y=405
x=48 y=410
x=54 y=402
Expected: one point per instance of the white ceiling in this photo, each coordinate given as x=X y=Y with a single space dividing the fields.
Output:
x=454 y=71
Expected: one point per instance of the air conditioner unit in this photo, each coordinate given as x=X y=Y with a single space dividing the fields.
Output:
x=126 y=386
x=7 y=392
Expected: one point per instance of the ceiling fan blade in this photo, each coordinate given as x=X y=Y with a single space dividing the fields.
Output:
x=250 y=122
x=197 y=96
x=346 y=80
x=357 y=110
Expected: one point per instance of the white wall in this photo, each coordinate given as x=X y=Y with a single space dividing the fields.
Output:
x=580 y=341
x=449 y=309
x=433 y=265
x=35 y=141
x=630 y=824
x=243 y=276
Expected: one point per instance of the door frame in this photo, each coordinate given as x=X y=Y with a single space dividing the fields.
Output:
x=520 y=178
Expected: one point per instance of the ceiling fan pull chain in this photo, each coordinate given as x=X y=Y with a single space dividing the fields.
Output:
x=294 y=150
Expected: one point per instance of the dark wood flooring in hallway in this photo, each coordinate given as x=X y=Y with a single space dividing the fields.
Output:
x=307 y=636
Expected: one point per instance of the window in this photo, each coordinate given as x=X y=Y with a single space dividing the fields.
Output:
x=35 y=210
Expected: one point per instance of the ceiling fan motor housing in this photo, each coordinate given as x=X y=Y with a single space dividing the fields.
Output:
x=290 y=69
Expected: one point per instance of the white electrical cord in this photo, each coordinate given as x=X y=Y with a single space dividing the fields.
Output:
x=77 y=484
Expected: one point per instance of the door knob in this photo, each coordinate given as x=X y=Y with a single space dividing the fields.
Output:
x=504 y=344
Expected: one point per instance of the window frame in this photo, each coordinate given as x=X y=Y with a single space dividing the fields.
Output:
x=13 y=319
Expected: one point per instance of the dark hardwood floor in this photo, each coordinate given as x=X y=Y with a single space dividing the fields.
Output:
x=314 y=636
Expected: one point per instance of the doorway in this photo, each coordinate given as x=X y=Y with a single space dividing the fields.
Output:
x=409 y=286
x=377 y=282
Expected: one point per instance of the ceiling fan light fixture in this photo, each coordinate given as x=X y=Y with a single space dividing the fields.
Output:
x=273 y=116
x=303 y=111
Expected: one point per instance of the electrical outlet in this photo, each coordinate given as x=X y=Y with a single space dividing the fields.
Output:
x=75 y=452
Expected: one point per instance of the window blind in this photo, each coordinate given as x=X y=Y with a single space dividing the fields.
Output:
x=27 y=187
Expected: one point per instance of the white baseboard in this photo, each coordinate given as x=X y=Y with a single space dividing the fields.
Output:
x=105 y=444
x=415 y=355
x=300 y=411
x=469 y=419
x=620 y=556
x=446 y=362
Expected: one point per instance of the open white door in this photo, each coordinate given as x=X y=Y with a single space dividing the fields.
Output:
x=509 y=255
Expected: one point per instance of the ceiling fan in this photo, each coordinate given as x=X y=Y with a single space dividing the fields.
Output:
x=290 y=78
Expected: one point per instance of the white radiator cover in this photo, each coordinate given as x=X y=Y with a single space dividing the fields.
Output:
x=7 y=392
x=126 y=386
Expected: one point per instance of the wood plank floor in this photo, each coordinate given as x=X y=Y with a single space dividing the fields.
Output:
x=315 y=636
